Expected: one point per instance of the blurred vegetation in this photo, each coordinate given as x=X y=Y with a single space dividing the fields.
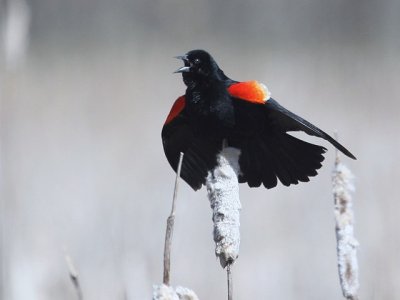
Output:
x=82 y=166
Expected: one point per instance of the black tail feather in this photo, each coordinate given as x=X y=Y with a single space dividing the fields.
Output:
x=281 y=156
x=199 y=158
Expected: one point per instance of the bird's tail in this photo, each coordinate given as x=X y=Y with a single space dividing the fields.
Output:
x=284 y=157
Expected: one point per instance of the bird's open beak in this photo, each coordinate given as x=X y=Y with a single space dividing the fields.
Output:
x=183 y=69
x=182 y=57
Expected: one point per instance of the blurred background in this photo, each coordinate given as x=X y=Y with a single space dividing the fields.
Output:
x=85 y=88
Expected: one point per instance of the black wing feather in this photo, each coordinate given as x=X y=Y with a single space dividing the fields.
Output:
x=268 y=152
x=289 y=121
x=199 y=152
x=274 y=155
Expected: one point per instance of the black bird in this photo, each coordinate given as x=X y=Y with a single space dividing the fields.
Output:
x=217 y=111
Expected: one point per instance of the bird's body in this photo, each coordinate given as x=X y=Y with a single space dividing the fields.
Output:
x=217 y=111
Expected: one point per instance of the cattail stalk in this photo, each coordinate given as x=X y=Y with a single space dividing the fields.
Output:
x=223 y=193
x=165 y=292
x=346 y=242
x=170 y=227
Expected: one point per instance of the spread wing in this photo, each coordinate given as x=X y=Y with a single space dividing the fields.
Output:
x=287 y=121
x=199 y=151
x=270 y=153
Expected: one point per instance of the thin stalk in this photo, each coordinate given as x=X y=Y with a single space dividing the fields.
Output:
x=170 y=227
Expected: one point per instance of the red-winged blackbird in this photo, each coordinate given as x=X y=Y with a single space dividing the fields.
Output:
x=217 y=111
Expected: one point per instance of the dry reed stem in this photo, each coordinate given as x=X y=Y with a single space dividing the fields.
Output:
x=170 y=227
x=230 y=281
x=165 y=291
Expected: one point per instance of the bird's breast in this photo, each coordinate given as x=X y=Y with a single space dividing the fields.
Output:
x=210 y=111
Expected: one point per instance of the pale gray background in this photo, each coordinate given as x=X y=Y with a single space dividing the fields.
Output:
x=83 y=170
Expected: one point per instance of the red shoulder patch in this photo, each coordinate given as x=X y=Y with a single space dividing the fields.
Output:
x=176 y=109
x=251 y=91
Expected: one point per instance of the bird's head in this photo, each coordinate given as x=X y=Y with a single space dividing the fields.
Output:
x=199 y=66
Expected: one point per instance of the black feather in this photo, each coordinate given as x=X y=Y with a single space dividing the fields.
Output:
x=282 y=156
x=199 y=152
x=288 y=121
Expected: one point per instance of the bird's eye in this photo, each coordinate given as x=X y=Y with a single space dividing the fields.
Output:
x=197 y=61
